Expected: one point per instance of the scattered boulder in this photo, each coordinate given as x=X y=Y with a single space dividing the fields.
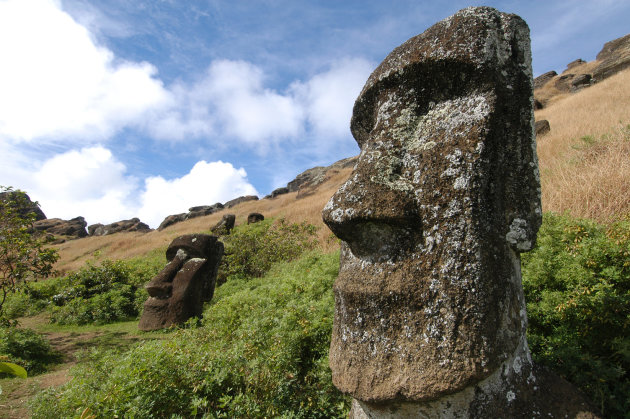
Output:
x=541 y=80
x=203 y=210
x=542 y=127
x=187 y=281
x=224 y=226
x=233 y=202
x=575 y=63
x=125 y=225
x=277 y=192
x=172 y=219
x=614 y=57
x=308 y=177
x=580 y=81
x=72 y=229
x=430 y=316
x=24 y=201
x=254 y=217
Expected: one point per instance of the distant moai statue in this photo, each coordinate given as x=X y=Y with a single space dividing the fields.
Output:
x=430 y=315
x=178 y=292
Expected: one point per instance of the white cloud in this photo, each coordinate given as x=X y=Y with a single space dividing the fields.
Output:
x=328 y=97
x=55 y=81
x=205 y=184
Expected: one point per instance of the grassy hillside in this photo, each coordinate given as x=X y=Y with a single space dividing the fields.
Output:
x=261 y=349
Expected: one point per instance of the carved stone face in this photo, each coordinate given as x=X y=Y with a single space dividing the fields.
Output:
x=444 y=196
x=178 y=292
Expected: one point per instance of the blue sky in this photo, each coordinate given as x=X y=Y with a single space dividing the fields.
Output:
x=112 y=109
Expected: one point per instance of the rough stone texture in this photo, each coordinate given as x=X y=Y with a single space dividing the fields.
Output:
x=614 y=57
x=307 y=182
x=224 y=226
x=277 y=192
x=74 y=228
x=203 y=210
x=187 y=281
x=572 y=64
x=542 y=127
x=172 y=219
x=538 y=104
x=541 y=80
x=125 y=225
x=30 y=207
x=233 y=202
x=580 y=81
x=254 y=217
x=444 y=197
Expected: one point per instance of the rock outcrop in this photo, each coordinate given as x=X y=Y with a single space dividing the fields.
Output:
x=71 y=229
x=187 y=281
x=120 y=226
x=277 y=192
x=614 y=57
x=224 y=226
x=233 y=202
x=430 y=316
x=193 y=212
x=541 y=80
x=26 y=206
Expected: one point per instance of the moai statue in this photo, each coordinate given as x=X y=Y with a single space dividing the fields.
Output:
x=178 y=292
x=429 y=310
x=224 y=226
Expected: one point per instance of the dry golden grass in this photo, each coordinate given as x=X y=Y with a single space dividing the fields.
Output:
x=585 y=159
x=74 y=253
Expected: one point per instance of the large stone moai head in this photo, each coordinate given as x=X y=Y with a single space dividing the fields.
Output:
x=443 y=198
x=178 y=292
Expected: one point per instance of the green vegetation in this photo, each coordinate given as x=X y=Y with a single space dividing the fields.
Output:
x=22 y=253
x=261 y=350
x=26 y=348
x=251 y=250
x=577 y=287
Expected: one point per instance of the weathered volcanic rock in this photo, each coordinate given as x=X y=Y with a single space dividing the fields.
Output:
x=429 y=309
x=614 y=57
x=25 y=204
x=255 y=217
x=541 y=80
x=224 y=226
x=203 y=210
x=124 y=225
x=74 y=228
x=172 y=219
x=277 y=192
x=187 y=281
x=574 y=63
x=233 y=202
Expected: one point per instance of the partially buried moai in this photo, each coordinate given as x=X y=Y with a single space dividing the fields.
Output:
x=429 y=310
x=178 y=292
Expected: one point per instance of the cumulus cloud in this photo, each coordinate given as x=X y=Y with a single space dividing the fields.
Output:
x=328 y=97
x=55 y=81
x=205 y=184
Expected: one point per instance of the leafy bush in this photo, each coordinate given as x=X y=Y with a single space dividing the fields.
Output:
x=577 y=287
x=251 y=250
x=27 y=348
x=262 y=351
x=110 y=292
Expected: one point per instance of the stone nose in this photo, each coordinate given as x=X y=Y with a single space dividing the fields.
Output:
x=378 y=222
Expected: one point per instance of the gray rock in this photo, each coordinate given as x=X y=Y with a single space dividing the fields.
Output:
x=613 y=58
x=120 y=226
x=429 y=310
x=73 y=228
x=541 y=80
x=233 y=202
x=172 y=219
x=575 y=63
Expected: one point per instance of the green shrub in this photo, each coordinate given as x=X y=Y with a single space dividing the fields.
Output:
x=261 y=351
x=110 y=292
x=251 y=250
x=27 y=348
x=577 y=287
